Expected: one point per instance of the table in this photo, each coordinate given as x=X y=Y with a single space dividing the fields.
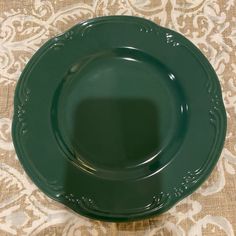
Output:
x=25 y=25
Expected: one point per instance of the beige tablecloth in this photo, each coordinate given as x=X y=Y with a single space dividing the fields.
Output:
x=25 y=25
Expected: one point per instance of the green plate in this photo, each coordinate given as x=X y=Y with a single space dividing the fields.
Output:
x=118 y=118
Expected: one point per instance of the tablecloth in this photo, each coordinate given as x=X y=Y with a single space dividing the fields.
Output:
x=25 y=25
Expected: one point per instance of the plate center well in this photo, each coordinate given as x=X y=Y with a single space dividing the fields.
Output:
x=118 y=110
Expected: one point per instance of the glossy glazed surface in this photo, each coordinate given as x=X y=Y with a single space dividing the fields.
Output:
x=129 y=123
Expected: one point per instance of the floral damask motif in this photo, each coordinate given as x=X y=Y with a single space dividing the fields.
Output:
x=218 y=222
x=5 y=134
x=210 y=24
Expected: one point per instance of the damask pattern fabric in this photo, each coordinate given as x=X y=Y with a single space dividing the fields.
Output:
x=25 y=25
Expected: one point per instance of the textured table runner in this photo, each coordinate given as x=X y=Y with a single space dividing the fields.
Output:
x=26 y=25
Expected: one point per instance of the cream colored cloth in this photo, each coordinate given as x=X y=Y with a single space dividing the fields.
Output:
x=26 y=25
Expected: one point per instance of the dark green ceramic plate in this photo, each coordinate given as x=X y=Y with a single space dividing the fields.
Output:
x=118 y=118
